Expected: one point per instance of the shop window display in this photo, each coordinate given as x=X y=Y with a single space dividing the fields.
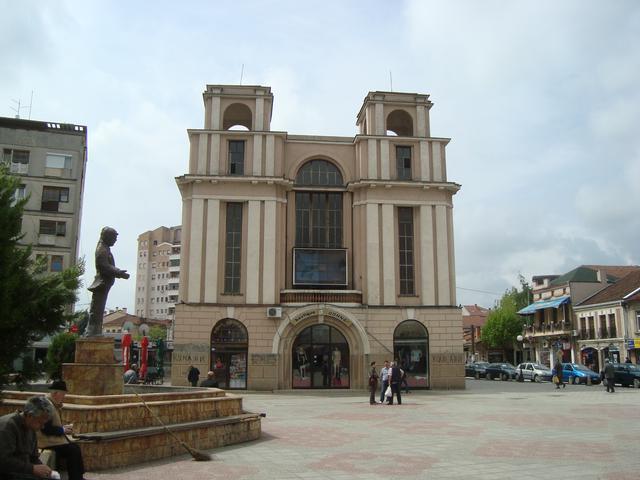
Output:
x=411 y=350
x=229 y=347
x=320 y=358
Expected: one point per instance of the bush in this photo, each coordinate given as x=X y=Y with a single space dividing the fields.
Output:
x=61 y=350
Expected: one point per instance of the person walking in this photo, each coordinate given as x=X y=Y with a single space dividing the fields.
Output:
x=193 y=376
x=558 y=369
x=373 y=383
x=609 y=376
x=395 y=378
x=384 y=379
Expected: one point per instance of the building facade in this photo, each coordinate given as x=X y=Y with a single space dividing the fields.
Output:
x=50 y=158
x=304 y=258
x=158 y=273
x=553 y=329
x=607 y=323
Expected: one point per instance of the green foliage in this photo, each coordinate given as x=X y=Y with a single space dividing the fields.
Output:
x=157 y=332
x=61 y=350
x=503 y=323
x=33 y=303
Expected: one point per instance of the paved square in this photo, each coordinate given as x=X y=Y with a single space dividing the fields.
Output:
x=493 y=430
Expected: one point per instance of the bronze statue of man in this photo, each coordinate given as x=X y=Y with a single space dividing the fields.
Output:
x=106 y=274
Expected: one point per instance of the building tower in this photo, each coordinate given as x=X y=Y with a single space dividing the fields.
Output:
x=306 y=257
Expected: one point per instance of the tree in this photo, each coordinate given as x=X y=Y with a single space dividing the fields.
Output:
x=61 y=350
x=503 y=322
x=33 y=302
x=157 y=332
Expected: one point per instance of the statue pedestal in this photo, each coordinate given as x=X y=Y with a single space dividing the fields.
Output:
x=94 y=371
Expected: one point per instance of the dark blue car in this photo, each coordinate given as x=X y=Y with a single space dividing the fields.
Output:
x=577 y=373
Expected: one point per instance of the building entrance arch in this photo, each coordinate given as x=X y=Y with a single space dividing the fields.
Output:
x=320 y=358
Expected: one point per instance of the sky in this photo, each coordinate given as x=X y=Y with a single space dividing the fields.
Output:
x=540 y=100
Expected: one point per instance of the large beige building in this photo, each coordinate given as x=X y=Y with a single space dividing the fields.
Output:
x=158 y=273
x=304 y=258
x=50 y=159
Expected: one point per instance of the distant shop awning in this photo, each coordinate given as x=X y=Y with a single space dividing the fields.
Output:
x=551 y=303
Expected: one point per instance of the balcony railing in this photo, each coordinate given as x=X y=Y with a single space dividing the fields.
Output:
x=321 y=296
x=549 y=328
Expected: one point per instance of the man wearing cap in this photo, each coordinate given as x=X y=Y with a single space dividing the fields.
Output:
x=210 y=382
x=54 y=434
x=18 y=446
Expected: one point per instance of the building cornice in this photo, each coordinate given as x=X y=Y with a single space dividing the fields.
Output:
x=371 y=183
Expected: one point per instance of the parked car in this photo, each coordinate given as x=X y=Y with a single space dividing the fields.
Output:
x=578 y=373
x=627 y=374
x=503 y=370
x=534 y=372
x=475 y=369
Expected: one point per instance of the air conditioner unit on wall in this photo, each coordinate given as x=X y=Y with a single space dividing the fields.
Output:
x=574 y=333
x=274 y=312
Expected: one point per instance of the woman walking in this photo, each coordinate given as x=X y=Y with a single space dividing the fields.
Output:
x=373 y=383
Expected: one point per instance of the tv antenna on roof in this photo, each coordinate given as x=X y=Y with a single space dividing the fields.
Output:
x=19 y=106
x=241 y=73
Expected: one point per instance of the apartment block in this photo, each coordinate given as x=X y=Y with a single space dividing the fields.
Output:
x=50 y=159
x=158 y=273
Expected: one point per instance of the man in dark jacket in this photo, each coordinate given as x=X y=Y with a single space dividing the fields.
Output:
x=609 y=375
x=18 y=444
x=193 y=376
x=395 y=377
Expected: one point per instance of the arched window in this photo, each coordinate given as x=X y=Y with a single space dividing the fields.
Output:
x=319 y=259
x=400 y=123
x=229 y=347
x=237 y=115
x=411 y=351
x=320 y=358
x=319 y=173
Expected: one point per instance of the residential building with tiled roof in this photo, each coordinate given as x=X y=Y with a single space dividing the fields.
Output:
x=551 y=330
x=608 y=322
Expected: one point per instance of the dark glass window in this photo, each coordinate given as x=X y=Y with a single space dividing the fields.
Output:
x=320 y=357
x=52 y=197
x=403 y=163
x=50 y=227
x=236 y=157
x=405 y=237
x=233 y=248
x=319 y=219
x=411 y=351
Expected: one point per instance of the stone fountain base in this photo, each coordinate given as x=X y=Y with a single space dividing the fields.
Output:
x=114 y=429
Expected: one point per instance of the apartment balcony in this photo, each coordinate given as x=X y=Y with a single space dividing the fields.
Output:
x=551 y=328
x=320 y=296
x=588 y=334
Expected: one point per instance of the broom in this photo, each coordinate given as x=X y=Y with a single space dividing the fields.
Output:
x=197 y=455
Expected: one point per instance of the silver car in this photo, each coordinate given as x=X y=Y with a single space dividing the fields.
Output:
x=534 y=372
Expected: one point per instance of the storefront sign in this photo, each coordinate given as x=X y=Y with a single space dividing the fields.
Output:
x=264 y=359
x=634 y=343
x=320 y=312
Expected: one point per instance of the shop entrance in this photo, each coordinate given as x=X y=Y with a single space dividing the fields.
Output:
x=229 y=347
x=320 y=358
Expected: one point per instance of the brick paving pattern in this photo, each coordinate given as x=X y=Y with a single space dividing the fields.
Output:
x=493 y=430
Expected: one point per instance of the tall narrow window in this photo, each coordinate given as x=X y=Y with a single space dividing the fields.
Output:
x=405 y=234
x=236 y=157
x=233 y=248
x=56 y=263
x=403 y=163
